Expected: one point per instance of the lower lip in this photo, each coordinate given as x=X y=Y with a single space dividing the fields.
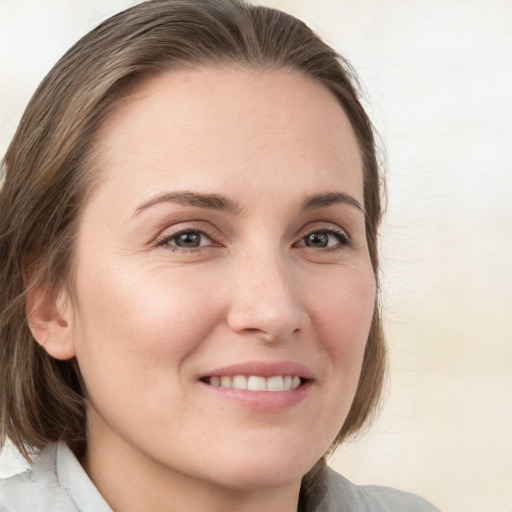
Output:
x=262 y=401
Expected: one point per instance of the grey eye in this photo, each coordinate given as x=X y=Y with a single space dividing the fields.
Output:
x=323 y=239
x=317 y=239
x=188 y=239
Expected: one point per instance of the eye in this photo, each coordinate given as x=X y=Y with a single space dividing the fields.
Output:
x=189 y=239
x=324 y=239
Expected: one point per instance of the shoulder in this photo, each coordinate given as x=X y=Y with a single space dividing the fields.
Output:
x=339 y=493
x=27 y=488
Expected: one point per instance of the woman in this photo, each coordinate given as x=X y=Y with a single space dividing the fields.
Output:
x=188 y=225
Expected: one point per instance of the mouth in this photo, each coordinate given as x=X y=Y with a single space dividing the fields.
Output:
x=256 y=382
x=261 y=386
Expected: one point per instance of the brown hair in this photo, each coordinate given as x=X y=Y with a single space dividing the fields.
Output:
x=47 y=178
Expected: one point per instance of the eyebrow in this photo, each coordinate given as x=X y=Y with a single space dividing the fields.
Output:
x=224 y=203
x=329 y=199
x=209 y=201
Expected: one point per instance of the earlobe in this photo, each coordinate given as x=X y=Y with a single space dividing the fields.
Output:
x=49 y=321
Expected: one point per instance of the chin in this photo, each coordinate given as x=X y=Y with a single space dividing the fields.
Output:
x=261 y=477
x=265 y=469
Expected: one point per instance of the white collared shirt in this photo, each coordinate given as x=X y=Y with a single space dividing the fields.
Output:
x=56 y=482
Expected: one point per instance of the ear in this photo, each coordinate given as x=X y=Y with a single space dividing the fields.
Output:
x=49 y=320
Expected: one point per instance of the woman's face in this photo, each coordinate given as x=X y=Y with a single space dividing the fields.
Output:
x=223 y=249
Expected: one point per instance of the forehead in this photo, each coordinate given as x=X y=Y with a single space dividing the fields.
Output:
x=224 y=124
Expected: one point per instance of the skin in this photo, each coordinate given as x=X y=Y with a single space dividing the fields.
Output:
x=152 y=317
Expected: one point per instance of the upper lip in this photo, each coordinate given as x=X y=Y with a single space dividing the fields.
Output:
x=262 y=369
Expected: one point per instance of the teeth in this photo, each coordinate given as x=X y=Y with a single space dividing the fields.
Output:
x=256 y=382
x=275 y=384
x=240 y=382
x=225 y=382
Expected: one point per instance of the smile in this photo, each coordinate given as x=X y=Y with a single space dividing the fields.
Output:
x=255 y=382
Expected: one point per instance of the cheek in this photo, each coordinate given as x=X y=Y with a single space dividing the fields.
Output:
x=343 y=314
x=135 y=328
x=345 y=310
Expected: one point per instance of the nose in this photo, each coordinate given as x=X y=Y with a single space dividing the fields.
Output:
x=265 y=300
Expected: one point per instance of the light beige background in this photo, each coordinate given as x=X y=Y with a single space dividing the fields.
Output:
x=437 y=76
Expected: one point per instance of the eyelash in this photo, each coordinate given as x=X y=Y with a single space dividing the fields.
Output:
x=340 y=235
